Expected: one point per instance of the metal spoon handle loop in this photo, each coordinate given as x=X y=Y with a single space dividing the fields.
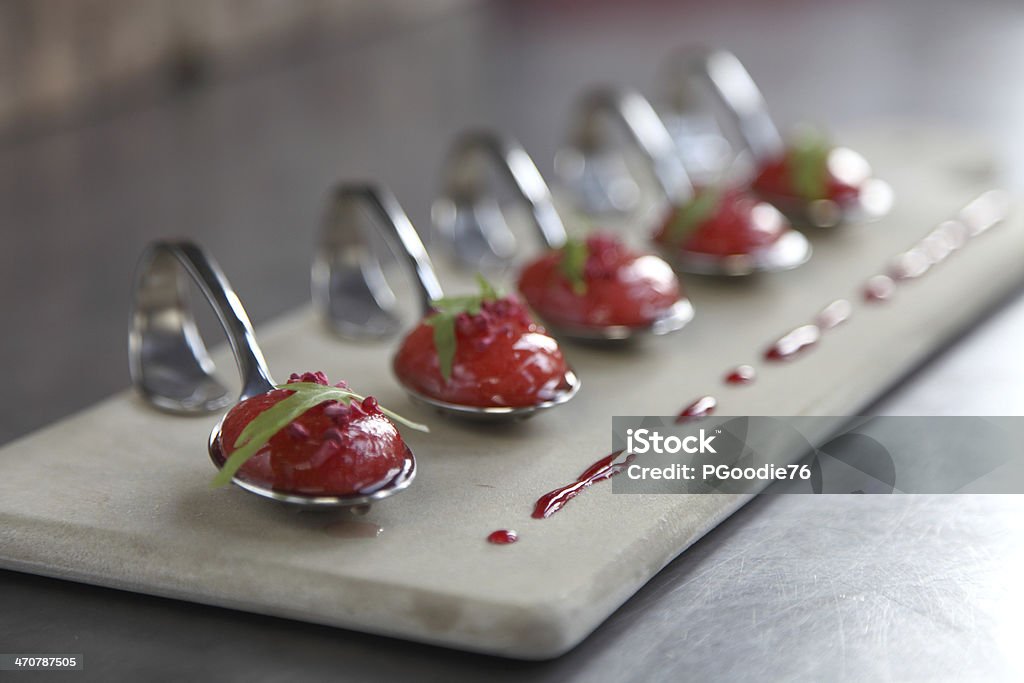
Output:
x=168 y=361
x=721 y=72
x=348 y=281
x=602 y=107
x=468 y=183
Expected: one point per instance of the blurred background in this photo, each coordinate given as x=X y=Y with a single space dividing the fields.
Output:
x=228 y=120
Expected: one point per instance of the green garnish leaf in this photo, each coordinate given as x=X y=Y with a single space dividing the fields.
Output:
x=488 y=292
x=573 y=264
x=808 y=166
x=689 y=216
x=264 y=426
x=444 y=341
x=443 y=321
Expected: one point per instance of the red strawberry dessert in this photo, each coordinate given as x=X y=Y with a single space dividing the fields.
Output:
x=599 y=282
x=722 y=223
x=334 y=448
x=812 y=170
x=481 y=351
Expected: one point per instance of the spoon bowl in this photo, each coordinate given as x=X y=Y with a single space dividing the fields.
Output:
x=790 y=251
x=566 y=390
x=672 y=319
x=874 y=201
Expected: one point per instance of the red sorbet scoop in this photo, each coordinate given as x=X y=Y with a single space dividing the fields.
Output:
x=599 y=282
x=332 y=449
x=722 y=223
x=810 y=170
x=481 y=351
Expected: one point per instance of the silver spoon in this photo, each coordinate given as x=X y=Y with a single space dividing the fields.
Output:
x=457 y=217
x=737 y=93
x=603 y=107
x=359 y=217
x=172 y=370
x=592 y=166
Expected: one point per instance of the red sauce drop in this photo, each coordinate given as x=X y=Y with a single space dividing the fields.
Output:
x=793 y=342
x=985 y=211
x=833 y=315
x=953 y=233
x=605 y=468
x=503 y=537
x=702 y=407
x=911 y=264
x=741 y=374
x=879 y=288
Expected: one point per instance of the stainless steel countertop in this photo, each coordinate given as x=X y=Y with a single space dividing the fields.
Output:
x=839 y=588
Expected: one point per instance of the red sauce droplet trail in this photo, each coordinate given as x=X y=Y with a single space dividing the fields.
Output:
x=954 y=233
x=503 y=537
x=702 y=407
x=910 y=265
x=879 y=288
x=605 y=468
x=985 y=211
x=353 y=529
x=793 y=342
x=741 y=374
x=833 y=315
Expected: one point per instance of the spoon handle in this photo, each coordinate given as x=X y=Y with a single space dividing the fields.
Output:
x=348 y=280
x=467 y=182
x=735 y=89
x=602 y=107
x=169 y=364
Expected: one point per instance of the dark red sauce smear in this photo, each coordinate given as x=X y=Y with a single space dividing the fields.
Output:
x=702 y=407
x=793 y=342
x=605 y=468
x=503 y=537
x=741 y=374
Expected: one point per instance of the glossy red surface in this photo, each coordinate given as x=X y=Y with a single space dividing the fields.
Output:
x=879 y=288
x=622 y=287
x=793 y=342
x=775 y=178
x=833 y=315
x=741 y=374
x=740 y=224
x=502 y=358
x=605 y=468
x=332 y=449
x=503 y=537
x=702 y=407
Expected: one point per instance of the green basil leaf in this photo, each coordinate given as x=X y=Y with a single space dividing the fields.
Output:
x=689 y=216
x=809 y=167
x=573 y=264
x=444 y=342
x=443 y=321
